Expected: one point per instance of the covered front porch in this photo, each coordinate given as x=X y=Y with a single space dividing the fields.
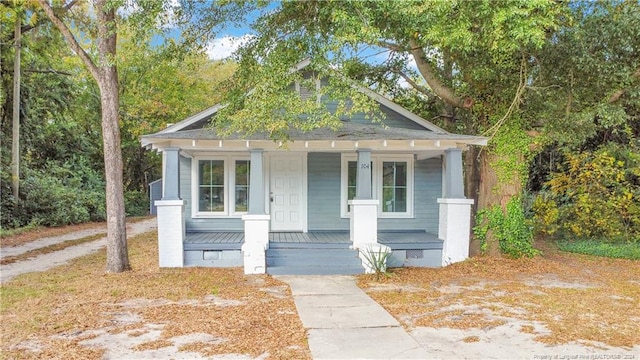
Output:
x=331 y=201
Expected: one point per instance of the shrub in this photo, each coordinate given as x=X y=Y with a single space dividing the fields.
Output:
x=509 y=227
x=597 y=195
x=56 y=195
x=136 y=203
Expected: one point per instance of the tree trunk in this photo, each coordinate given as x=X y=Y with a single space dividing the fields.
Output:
x=15 y=136
x=106 y=75
x=471 y=185
x=117 y=255
x=492 y=193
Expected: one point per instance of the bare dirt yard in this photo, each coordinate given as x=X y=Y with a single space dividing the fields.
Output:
x=77 y=311
x=557 y=306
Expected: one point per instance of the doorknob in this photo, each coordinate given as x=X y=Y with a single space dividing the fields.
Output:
x=271 y=197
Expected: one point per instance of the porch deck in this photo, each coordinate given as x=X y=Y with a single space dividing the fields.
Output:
x=396 y=240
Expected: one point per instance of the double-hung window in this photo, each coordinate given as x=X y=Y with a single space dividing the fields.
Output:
x=220 y=186
x=391 y=184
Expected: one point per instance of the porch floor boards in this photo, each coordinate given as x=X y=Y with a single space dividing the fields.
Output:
x=397 y=240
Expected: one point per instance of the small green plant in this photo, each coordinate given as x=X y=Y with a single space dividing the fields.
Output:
x=376 y=260
x=509 y=227
x=629 y=251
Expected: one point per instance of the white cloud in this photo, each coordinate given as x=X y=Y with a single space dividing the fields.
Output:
x=223 y=47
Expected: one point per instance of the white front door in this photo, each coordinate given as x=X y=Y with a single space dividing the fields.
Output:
x=286 y=192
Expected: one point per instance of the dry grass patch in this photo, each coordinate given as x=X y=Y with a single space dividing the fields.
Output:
x=575 y=297
x=471 y=339
x=74 y=309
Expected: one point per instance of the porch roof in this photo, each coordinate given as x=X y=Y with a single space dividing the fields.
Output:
x=347 y=132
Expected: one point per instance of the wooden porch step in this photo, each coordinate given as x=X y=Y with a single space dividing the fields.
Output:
x=291 y=259
x=308 y=245
x=314 y=270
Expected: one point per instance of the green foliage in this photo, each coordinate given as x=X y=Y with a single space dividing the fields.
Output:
x=546 y=214
x=136 y=203
x=597 y=194
x=512 y=147
x=603 y=248
x=61 y=148
x=377 y=260
x=59 y=196
x=509 y=227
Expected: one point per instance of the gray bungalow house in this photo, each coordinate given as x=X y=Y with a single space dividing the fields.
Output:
x=324 y=204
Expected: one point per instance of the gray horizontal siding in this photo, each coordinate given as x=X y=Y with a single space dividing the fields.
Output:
x=391 y=118
x=324 y=192
x=427 y=189
x=193 y=225
x=324 y=196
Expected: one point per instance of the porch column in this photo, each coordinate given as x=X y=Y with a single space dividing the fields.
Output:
x=453 y=177
x=170 y=217
x=256 y=222
x=455 y=211
x=364 y=214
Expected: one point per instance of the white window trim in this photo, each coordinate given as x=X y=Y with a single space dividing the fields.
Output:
x=376 y=183
x=229 y=186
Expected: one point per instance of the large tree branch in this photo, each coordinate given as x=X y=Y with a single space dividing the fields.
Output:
x=616 y=95
x=423 y=89
x=389 y=45
x=73 y=43
x=429 y=74
x=48 y=71
x=28 y=27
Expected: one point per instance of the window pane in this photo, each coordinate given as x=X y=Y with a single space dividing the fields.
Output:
x=242 y=172
x=217 y=198
x=242 y=185
x=353 y=171
x=211 y=198
x=211 y=185
x=401 y=174
x=204 y=199
x=242 y=198
x=400 y=200
x=388 y=173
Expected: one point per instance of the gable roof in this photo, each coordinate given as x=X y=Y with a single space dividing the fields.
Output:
x=199 y=120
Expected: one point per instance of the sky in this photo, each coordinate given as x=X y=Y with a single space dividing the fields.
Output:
x=223 y=46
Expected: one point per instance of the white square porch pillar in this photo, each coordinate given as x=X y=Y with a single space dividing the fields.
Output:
x=256 y=222
x=363 y=228
x=454 y=223
x=170 y=217
x=364 y=209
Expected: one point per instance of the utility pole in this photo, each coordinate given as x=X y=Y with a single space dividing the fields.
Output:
x=15 y=144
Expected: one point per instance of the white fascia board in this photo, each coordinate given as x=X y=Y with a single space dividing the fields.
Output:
x=301 y=65
x=482 y=141
x=401 y=110
x=192 y=119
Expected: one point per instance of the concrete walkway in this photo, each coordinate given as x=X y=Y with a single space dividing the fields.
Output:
x=47 y=261
x=344 y=323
